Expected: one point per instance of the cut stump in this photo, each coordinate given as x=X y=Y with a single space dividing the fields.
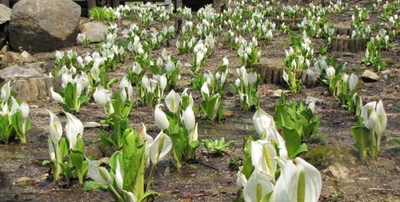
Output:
x=349 y=44
x=33 y=89
x=273 y=75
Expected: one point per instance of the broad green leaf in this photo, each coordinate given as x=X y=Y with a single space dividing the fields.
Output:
x=83 y=99
x=179 y=144
x=194 y=144
x=362 y=136
x=76 y=159
x=248 y=167
x=134 y=157
x=111 y=82
x=106 y=139
x=292 y=141
x=80 y=145
x=147 y=194
x=63 y=147
x=396 y=139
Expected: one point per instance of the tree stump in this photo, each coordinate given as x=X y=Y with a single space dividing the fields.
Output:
x=291 y=22
x=347 y=44
x=273 y=75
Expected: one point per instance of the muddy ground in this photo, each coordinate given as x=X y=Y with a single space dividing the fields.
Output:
x=210 y=178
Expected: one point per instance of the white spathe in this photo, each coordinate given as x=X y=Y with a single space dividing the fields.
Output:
x=298 y=179
x=160 y=147
x=97 y=173
x=160 y=118
x=73 y=128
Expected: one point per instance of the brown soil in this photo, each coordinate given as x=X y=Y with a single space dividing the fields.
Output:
x=210 y=178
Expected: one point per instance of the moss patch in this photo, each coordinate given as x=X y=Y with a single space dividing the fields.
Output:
x=323 y=156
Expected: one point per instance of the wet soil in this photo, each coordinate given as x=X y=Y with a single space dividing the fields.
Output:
x=212 y=178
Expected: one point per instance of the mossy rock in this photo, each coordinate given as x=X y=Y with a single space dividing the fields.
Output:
x=324 y=156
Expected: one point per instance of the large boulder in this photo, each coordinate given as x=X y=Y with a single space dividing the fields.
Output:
x=44 y=25
x=5 y=13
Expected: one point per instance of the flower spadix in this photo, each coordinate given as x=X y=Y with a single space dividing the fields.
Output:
x=160 y=147
x=73 y=129
x=299 y=181
x=55 y=127
x=160 y=118
x=172 y=101
x=262 y=154
x=257 y=186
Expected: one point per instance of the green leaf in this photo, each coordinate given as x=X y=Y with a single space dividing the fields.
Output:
x=248 y=167
x=147 y=194
x=80 y=145
x=212 y=106
x=17 y=122
x=127 y=110
x=76 y=159
x=281 y=115
x=111 y=82
x=64 y=148
x=292 y=141
x=229 y=144
x=45 y=162
x=194 y=144
x=362 y=136
x=105 y=139
x=302 y=148
x=134 y=157
x=179 y=144
x=266 y=197
x=396 y=139
x=207 y=143
x=67 y=171
x=83 y=99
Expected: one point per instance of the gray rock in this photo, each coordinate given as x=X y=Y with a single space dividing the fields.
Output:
x=93 y=151
x=338 y=171
x=369 y=76
x=16 y=71
x=14 y=58
x=44 y=25
x=5 y=14
x=95 y=31
x=310 y=99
